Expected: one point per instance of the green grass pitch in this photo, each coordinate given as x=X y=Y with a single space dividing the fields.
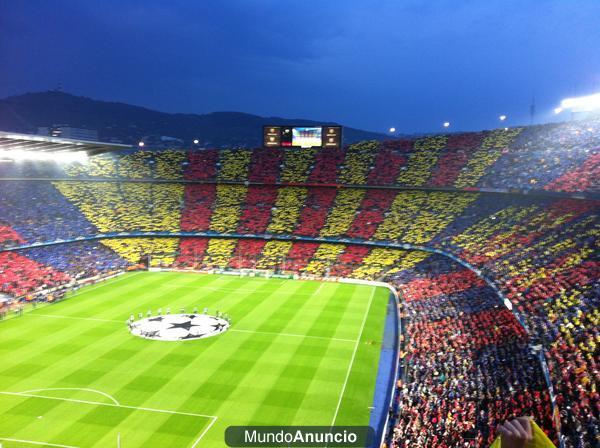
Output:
x=297 y=353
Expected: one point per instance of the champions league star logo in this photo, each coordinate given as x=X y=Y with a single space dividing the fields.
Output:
x=179 y=327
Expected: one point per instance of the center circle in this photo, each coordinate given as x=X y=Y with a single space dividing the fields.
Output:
x=178 y=327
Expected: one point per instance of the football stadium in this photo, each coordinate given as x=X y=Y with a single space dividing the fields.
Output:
x=348 y=286
x=440 y=289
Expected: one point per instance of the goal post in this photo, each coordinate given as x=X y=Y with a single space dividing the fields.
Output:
x=247 y=272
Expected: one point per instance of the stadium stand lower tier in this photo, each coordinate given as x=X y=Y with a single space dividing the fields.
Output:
x=468 y=362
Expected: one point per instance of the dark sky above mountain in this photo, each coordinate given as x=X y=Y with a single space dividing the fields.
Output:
x=371 y=64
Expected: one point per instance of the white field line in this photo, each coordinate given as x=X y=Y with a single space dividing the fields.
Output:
x=212 y=422
x=362 y=327
x=236 y=330
x=110 y=397
x=33 y=442
x=273 y=333
x=215 y=288
x=97 y=403
x=85 y=289
x=319 y=288
x=57 y=316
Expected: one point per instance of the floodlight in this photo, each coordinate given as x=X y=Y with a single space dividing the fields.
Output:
x=446 y=124
x=392 y=130
x=502 y=117
x=141 y=144
x=558 y=110
x=196 y=141
x=582 y=103
x=59 y=157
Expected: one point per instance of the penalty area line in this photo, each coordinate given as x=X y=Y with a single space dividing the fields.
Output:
x=212 y=422
x=99 y=403
x=274 y=333
x=213 y=418
x=34 y=442
x=49 y=389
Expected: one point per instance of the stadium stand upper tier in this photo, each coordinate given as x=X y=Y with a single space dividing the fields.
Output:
x=469 y=362
x=561 y=157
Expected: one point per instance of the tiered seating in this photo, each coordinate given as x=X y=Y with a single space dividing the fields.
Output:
x=555 y=157
x=349 y=260
x=127 y=206
x=9 y=237
x=422 y=160
x=274 y=255
x=199 y=201
x=161 y=250
x=583 y=178
x=104 y=166
x=343 y=212
x=234 y=165
x=38 y=212
x=492 y=147
x=372 y=213
x=218 y=252
x=468 y=366
x=388 y=163
x=264 y=165
x=296 y=165
x=315 y=210
x=227 y=208
x=359 y=158
x=247 y=253
x=82 y=259
x=326 y=167
x=417 y=216
x=382 y=261
x=257 y=209
x=19 y=275
x=169 y=164
x=541 y=155
x=459 y=150
x=191 y=252
x=523 y=232
x=202 y=165
x=542 y=256
x=136 y=165
x=287 y=209
x=300 y=255
x=323 y=259
x=573 y=361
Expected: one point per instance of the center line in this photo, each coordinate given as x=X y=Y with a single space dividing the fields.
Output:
x=236 y=330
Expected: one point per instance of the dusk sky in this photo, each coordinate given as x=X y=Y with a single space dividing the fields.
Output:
x=370 y=64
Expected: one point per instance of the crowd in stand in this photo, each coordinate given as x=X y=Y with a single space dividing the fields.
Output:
x=559 y=157
x=37 y=212
x=82 y=259
x=20 y=275
x=562 y=157
x=467 y=363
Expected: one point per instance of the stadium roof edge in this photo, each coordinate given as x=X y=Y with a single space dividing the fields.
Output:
x=32 y=142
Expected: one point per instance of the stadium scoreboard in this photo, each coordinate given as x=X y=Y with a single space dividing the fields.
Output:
x=302 y=136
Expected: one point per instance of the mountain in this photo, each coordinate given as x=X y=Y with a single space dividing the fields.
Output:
x=129 y=124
